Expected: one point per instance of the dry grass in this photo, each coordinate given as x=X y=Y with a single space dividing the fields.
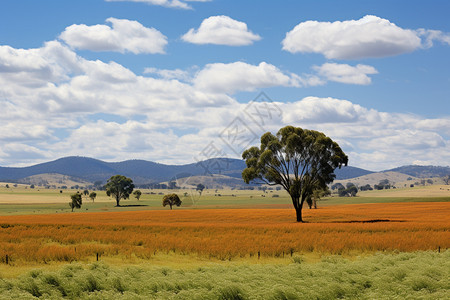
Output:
x=225 y=233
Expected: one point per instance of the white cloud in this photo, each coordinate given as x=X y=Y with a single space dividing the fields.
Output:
x=240 y=76
x=123 y=36
x=433 y=35
x=62 y=112
x=369 y=36
x=179 y=74
x=345 y=73
x=221 y=30
x=166 y=3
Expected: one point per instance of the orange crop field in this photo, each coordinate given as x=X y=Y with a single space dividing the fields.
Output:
x=226 y=233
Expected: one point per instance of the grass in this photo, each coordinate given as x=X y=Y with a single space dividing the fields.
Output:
x=21 y=201
x=418 y=275
x=224 y=233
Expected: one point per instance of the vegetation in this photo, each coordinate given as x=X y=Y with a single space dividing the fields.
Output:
x=119 y=187
x=419 y=275
x=93 y=195
x=200 y=187
x=171 y=200
x=299 y=160
x=225 y=233
x=137 y=194
x=76 y=201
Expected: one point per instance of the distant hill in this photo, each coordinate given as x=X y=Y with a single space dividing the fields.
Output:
x=140 y=171
x=145 y=172
x=423 y=171
x=350 y=172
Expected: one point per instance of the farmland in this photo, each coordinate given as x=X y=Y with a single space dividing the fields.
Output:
x=249 y=233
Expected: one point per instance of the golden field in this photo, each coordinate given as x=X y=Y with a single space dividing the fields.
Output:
x=225 y=233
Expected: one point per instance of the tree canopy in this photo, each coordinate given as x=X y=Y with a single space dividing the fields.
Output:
x=200 y=187
x=171 y=200
x=300 y=160
x=120 y=187
x=76 y=201
x=137 y=194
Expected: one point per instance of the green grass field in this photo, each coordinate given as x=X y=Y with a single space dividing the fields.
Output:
x=15 y=201
x=419 y=275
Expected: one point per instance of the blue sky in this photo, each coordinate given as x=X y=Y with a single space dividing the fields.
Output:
x=174 y=81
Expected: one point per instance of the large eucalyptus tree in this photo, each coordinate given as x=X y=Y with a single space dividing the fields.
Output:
x=300 y=160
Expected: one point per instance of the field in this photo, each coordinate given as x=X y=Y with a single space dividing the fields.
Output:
x=239 y=245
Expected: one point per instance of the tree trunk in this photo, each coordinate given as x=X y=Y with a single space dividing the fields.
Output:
x=170 y=206
x=117 y=201
x=298 y=212
x=298 y=208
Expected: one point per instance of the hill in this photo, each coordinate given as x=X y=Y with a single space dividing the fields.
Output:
x=140 y=171
x=84 y=169
x=399 y=179
x=423 y=171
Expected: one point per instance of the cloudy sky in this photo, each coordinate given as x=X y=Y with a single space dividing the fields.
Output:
x=178 y=81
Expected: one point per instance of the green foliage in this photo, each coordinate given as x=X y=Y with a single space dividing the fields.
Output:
x=119 y=187
x=137 y=194
x=76 y=201
x=171 y=200
x=200 y=187
x=300 y=160
x=418 y=275
x=93 y=195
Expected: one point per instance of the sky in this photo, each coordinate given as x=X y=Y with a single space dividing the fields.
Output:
x=178 y=81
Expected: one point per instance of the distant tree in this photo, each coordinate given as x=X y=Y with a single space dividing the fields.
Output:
x=316 y=195
x=93 y=195
x=446 y=179
x=137 y=194
x=32 y=186
x=76 y=201
x=297 y=159
x=98 y=184
x=7 y=186
x=366 y=187
x=430 y=181
x=171 y=199
x=200 y=188
x=60 y=191
x=337 y=186
x=384 y=181
x=86 y=193
x=349 y=184
x=172 y=185
x=120 y=187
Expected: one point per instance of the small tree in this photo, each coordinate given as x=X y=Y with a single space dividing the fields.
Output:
x=120 y=187
x=93 y=195
x=446 y=179
x=137 y=194
x=171 y=199
x=76 y=201
x=200 y=188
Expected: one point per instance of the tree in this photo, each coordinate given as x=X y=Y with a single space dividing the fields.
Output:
x=120 y=187
x=446 y=179
x=76 y=201
x=297 y=159
x=337 y=186
x=93 y=195
x=171 y=199
x=200 y=188
x=137 y=194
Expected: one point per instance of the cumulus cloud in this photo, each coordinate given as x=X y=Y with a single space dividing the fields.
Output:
x=221 y=30
x=240 y=76
x=166 y=3
x=123 y=36
x=345 y=73
x=369 y=36
x=53 y=103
